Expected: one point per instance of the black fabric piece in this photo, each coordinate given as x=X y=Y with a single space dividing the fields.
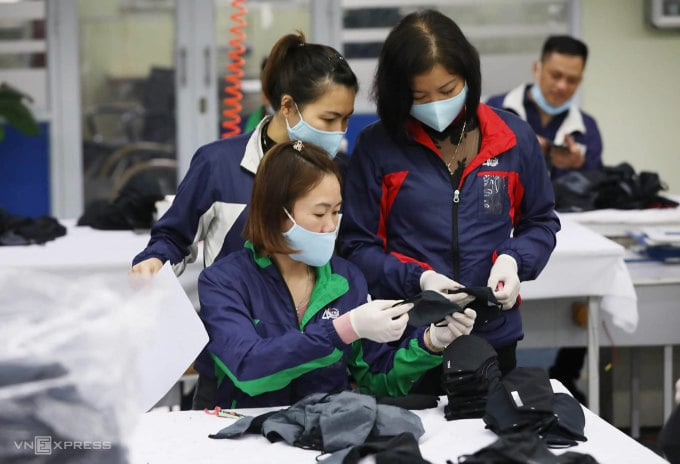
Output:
x=400 y=449
x=485 y=304
x=515 y=448
x=669 y=437
x=570 y=424
x=413 y=401
x=572 y=457
x=533 y=386
x=521 y=401
x=429 y=307
x=466 y=354
x=522 y=448
x=470 y=369
x=20 y=230
x=133 y=208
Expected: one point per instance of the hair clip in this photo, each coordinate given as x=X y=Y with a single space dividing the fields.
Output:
x=298 y=145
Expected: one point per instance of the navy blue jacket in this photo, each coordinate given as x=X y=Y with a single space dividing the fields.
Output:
x=404 y=214
x=262 y=356
x=579 y=124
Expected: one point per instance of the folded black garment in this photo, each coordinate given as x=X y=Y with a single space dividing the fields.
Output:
x=429 y=307
x=520 y=448
x=516 y=448
x=529 y=389
x=485 y=304
x=467 y=354
x=522 y=400
x=411 y=401
x=568 y=429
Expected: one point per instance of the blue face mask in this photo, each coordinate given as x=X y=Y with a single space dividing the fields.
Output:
x=329 y=141
x=440 y=114
x=316 y=248
x=545 y=106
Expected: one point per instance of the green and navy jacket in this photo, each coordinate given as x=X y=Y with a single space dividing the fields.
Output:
x=404 y=213
x=262 y=356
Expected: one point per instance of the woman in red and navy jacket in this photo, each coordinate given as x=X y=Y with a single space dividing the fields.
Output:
x=287 y=319
x=443 y=191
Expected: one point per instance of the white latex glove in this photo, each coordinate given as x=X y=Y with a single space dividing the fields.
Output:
x=504 y=281
x=677 y=392
x=457 y=324
x=378 y=321
x=431 y=280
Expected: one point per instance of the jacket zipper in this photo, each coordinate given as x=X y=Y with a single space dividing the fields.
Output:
x=455 y=181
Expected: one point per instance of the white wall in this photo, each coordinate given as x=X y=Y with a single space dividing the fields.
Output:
x=632 y=86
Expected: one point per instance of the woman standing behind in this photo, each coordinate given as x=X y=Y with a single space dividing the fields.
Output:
x=285 y=318
x=443 y=191
x=312 y=89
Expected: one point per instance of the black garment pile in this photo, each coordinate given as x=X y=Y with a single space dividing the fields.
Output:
x=618 y=187
x=349 y=425
x=522 y=448
x=523 y=402
x=133 y=208
x=20 y=230
x=470 y=370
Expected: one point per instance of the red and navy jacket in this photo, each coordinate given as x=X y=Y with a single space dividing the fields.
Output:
x=262 y=356
x=404 y=213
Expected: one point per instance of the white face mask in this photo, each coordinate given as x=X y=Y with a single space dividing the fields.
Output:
x=440 y=114
x=316 y=248
x=329 y=141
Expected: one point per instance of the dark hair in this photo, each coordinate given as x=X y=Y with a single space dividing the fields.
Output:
x=414 y=46
x=303 y=70
x=565 y=45
x=287 y=172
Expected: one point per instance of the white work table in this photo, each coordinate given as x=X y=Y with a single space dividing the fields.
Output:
x=178 y=437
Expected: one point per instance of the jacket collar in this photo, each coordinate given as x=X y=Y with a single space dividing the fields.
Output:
x=253 y=154
x=517 y=98
x=329 y=286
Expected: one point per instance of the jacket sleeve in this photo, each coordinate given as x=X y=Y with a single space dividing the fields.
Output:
x=593 y=142
x=364 y=217
x=381 y=369
x=534 y=234
x=175 y=232
x=257 y=364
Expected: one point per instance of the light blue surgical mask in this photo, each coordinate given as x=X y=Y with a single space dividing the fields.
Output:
x=545 y=106
x=440 y=114
x=329 y=141
x=316 y=248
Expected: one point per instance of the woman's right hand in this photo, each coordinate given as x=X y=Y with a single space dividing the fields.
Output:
x=148 y=267
x=379 y=320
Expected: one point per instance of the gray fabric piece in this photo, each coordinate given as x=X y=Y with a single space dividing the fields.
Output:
x=331 y=422
x=392 y=421
x=347 y=420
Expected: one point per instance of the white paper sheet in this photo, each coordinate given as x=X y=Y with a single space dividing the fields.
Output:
x=175 y=340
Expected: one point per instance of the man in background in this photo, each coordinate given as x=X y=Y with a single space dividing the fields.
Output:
x=568 y=136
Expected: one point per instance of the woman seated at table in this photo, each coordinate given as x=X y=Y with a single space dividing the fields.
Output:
x=287 y=319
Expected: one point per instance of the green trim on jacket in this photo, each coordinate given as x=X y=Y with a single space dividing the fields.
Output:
x=408 y=367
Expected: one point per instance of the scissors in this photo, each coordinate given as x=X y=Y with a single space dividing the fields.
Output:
x=219 y=412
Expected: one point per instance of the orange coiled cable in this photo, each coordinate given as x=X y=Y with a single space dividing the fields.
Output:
x=232 y=102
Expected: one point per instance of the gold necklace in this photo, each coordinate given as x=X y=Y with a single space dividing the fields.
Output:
x=307 y=294
x=455 y=152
